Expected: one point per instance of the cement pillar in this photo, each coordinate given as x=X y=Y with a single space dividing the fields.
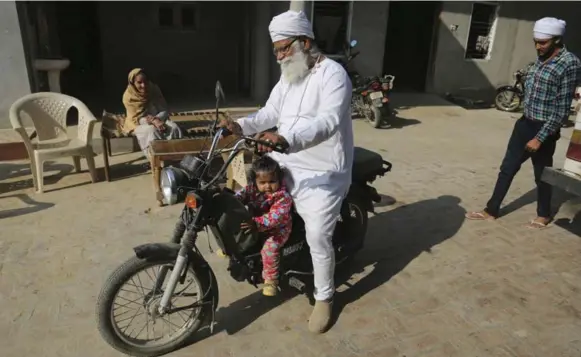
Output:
x=262 y=52
x=13 y=61
x=298 y=5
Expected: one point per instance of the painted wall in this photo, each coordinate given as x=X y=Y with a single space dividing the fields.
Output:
x=15 y=82
x=512 y=46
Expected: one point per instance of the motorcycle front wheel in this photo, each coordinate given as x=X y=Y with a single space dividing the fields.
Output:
x=125 y=300
x=507 y=100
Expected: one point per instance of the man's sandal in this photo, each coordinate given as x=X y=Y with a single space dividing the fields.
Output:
x=479 y=216
x=534 y=224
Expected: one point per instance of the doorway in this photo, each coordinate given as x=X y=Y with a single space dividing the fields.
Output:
x=408 y=43
x=79 y=35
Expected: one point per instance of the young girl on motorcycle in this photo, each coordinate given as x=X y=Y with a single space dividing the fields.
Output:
x=270 y=204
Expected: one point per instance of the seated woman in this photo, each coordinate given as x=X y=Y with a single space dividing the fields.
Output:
x=147 y=115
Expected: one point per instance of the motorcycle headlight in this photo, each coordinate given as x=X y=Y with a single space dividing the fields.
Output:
x=170 y=179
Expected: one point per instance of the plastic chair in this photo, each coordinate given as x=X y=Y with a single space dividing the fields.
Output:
x=48 y=112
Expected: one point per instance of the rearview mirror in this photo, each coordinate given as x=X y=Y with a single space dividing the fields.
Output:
x=353 y=43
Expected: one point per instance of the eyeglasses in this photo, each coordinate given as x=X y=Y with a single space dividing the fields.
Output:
x=283 y=49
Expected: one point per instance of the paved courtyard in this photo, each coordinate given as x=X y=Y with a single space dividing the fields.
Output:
x=428 y=283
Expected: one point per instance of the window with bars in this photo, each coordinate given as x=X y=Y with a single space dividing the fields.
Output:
x=331 y=21
x=482 y=30
x=177 y=16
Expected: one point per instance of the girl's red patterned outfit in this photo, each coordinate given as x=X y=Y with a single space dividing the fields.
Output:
x=272 y=215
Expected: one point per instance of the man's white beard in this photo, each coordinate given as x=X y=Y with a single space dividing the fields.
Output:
x=295 y=68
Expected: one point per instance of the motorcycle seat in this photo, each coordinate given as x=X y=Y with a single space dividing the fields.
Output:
x=367 y=165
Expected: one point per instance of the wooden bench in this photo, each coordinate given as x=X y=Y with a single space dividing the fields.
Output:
x=194 y=125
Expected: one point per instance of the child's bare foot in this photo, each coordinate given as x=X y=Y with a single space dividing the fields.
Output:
x=221 y=253
x=270 y=288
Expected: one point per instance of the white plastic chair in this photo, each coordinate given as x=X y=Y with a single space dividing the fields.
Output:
x=48 y=112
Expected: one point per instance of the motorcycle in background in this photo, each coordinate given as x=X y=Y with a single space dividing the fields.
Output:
x=509 y=98
x=370 y=97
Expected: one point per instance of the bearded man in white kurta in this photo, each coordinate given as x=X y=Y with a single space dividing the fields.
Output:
x=311 y=106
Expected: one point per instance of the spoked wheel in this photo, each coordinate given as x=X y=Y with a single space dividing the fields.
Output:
x=507 y=100
x=127 y=308
x=377 y=117
x=373 y=116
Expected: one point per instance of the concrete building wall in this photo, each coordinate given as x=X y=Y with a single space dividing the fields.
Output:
x=184 y=63
x=15 y=81
x=368 y=27
x=512 y=46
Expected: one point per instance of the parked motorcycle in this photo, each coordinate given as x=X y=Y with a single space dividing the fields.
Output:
x=370 y=97
x=174 y=267
x=509 y=98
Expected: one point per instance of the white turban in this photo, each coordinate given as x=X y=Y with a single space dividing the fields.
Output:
x=290 y=24
x=549 y=27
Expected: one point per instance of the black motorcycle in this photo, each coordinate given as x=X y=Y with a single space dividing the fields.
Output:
x=184 y=291
x=509 y=98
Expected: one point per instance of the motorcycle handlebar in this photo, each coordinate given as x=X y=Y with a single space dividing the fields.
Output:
x=250 y=141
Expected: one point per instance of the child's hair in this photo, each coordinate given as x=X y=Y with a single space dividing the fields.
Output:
x=265 y=164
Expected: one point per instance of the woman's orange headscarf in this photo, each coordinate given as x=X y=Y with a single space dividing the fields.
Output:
x=137 y=103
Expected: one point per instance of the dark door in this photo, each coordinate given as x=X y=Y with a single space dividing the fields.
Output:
x=408 y=43
x=78 y=30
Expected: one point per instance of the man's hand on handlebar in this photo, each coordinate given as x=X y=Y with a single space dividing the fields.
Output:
x=273 y=139
x=230 y=125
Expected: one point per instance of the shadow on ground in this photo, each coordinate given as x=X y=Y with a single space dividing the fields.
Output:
x=127 y=169
x=559 y=198
x=10 y=171
x=572 y=225
x=393 y=122
x=394 y=239
x=34 y=206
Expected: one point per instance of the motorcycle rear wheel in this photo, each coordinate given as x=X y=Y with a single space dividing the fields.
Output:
x=111 y=331
x=374 y=116
x=504 y=102
x=357 y=229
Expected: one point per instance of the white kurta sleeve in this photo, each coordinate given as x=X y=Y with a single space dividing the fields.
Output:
x=265 y=118
x=335 y=102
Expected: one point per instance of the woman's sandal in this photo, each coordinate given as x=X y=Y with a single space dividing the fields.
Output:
x=479 y=216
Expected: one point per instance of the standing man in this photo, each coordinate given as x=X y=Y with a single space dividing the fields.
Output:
x=549 y=88
x=311 y=106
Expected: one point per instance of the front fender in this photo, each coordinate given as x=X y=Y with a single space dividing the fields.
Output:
x=169 y=251
x=507 y=88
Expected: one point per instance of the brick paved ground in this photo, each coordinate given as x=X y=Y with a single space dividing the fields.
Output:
x=427 y=284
